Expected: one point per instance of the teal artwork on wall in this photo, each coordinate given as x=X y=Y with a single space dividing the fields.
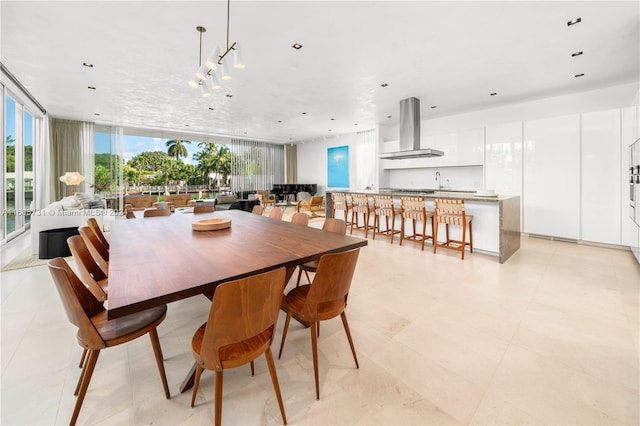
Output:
x=338 y=166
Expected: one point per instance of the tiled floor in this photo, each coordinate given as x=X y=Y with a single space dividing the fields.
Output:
x=550 y=337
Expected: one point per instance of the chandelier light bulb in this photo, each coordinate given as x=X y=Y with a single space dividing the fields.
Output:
x=237 y=58
x=201 y=74
x=225 y=72
x=204 y=89
x=212 y=60
x=213 y=82
x=193 y=83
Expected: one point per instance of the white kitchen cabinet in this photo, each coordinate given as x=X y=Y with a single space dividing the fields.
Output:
x=503 y=158
x=600 y=172
x=630 y=132
x=551 y=177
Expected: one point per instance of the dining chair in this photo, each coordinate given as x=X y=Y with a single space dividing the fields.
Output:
x=90 y=273
x=301 y=219
x=337 y=226
x=257 y=209
x=240 y=328
x=93 y=224
x=414 y=209
x=97 y=250
x=323 y=299
x=451 y=212
x=205 y=208
x=276 y=213
x=157 y=212
x=383 y=207
x=96 y=332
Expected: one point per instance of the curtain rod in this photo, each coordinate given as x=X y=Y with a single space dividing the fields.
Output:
x=15 y=81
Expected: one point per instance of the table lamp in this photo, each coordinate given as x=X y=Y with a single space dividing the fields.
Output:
x=72 y=179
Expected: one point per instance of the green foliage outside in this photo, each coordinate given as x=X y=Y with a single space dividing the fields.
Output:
x=10 y=149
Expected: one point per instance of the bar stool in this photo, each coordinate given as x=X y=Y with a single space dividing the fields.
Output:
x=339 y=202
x=451 y=212
x=414 y=209
x=383 y=207
x=360 y=205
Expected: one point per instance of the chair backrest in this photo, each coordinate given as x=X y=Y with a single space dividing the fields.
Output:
x=449 y=211
x=360 y=203
x=78 y=302
x=329 y=289
x=257 y=209
x=337 y=226
x=131 y=215
x=383 y=202
x=317 y=201
x=97 y=250
x=264 y=193
x=339 y=200
x=276 y=213
x=299 y=218
x=413 y=207
x=303 y=195
x=90 y=272
x=93 y=224
x=157 y=212
x=205 y=208
x=241 y=310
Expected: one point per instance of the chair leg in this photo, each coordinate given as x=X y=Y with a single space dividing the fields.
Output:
x=284 y=333
x=424 y=233
x=86 y=378
x=82 y=373
x=157 y=350
x=253 y=371
x=435 y=236
x=314 y=349
x=82 y=358
x=274 y=380
x=464 y=231
x=196 y=383
x=376 y=225
x=307 y=275
x=299 y=275
x=218 y=403
x=471 y=236
x=401 y=229
x=343 y=315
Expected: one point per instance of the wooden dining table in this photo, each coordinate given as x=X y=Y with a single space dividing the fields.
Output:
x=158 y=260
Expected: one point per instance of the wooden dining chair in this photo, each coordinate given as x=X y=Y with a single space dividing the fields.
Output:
x=301 y=219
x=90 y=273
x=257 y=209
x=96 y=332
x=97 y=250
x=204 y=208
x=451 y=212
x=276 y=213
x=323 y=299
x=95 y=227
x=240 y=328
x=157 y=212
x=337 y=226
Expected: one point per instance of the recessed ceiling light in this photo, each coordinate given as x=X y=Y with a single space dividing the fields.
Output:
x=329 y=129
x=433 y=106
x=229 y=96
x=91 y=87
x=279 y=121
x=576 y=53
x=579 y=75
x=245 y=133
x=355 y=124
x=574 y=21
x=96 y=113
x=388 y=116
x=297 y=46
x=186 y=125
x=304 y=113
x=88 y=65
x=332 y=119
x=493 y=94
x=210 y=108
x=384 y=85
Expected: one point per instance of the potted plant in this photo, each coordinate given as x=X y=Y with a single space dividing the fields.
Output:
x=161 y=202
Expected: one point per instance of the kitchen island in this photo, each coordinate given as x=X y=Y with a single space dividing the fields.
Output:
x=496 y=219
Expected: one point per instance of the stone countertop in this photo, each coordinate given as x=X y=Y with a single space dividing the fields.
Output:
x=431 y=194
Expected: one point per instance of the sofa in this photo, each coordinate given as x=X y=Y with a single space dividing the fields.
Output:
x=141 y=202
x=69 y=212
x=225 y=202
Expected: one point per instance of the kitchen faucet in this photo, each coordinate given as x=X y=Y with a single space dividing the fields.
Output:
x=438 y=179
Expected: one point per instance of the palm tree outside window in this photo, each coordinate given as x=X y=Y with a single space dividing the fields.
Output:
x=176 y=148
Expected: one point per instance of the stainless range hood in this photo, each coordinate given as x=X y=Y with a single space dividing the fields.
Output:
x=410 y=134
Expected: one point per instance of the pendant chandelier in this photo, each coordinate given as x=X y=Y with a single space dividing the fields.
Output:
x=208 y=75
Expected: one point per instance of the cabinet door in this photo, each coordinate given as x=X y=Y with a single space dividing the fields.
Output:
x=551 y=182
x=503 y=158
x=601 y=169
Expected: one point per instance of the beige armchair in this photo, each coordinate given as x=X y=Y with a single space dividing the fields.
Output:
x=315 y=206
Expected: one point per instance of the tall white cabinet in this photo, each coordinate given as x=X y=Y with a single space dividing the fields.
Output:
x=551 y=177
x=600 y=177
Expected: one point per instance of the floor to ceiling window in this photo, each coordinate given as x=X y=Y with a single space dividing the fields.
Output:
x=10 y=166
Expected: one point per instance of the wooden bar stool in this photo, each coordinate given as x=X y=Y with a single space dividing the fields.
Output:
x=339 y=202
x=360 y=206
x=414 y=209
x=451 y=212
x=383 y=207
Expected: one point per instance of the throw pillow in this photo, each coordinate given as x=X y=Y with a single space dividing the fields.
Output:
x=84 y=198
x=70 y=203
x=98 y=204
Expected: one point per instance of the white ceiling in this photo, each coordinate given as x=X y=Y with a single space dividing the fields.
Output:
x=448 y=54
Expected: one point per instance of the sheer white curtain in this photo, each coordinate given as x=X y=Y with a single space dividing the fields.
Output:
x=366 y=172
x=42 y=159
x=256 y=165
x=71 y=150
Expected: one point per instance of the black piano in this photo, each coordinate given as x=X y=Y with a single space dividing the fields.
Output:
x=284 y=191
